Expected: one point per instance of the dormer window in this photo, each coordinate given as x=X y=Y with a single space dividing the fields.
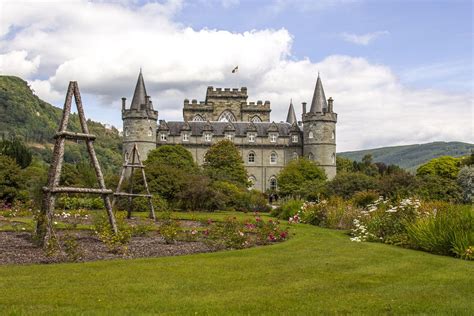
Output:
x=295 y=138
x=208 y=137
x=163 y=137
x=251 y=138
x=185 y=137
x=273 y=138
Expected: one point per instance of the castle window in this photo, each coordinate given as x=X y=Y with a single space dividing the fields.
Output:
x=163 y=137
x=273 y=158
x=310 y=156
x=333 y=135
x=251 y=138
x=227 y=116
x=150 y=131
x=207 y=137
x=295 y=138
x=127 y=132
x=256 y=119
x=252 y=181
x=273 y=138
x=229 y=136
x=273 y=183
x=310 y=135
x=295 y=155
x=333 y=158
x=251 y=157
x=185 y=137
x=198 y=118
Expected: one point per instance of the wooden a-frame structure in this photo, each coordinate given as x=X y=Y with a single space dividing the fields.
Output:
x=131 y=163
x=44 y=226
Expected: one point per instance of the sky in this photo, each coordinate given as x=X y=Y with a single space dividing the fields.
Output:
x=400 y=72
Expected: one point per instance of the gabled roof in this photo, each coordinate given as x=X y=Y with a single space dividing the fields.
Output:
x=229 y=127
x=273 y=127
x=319 y=99
x=163 y=126
x=186 y=126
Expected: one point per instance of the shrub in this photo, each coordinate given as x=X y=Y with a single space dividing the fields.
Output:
x=287 y=209
x=227 y=234
x=447 y=231
x=364 y=198
x=75 y=202
x=116 y=243
x=346 y=184
x=169 y=230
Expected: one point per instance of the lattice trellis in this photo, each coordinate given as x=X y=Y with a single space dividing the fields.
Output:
x=131 y=163
x=45 y=229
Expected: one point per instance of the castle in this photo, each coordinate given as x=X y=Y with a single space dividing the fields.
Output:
x=266 y=147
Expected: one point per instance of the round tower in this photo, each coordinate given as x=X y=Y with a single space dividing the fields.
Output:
x=139 y=122
x=319 y=131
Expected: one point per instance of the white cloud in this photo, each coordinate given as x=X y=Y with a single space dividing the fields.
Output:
x=363 y=39
x=103 y=45
x=16 y=62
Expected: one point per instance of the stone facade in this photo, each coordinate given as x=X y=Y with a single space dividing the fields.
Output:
x=266 y=147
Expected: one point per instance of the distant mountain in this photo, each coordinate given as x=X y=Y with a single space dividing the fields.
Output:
x=412 y=156
x=24 y=115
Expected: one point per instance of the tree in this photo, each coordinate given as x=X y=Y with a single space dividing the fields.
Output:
x=197 y=194
x=433 y=187
x=17 y=150
x=465 y=181
x=344 y=164
x=10 y=179
x=223 y=162
x=446 y=167
x=348 y=183
x=301 y=178
x=399 y=184
x=173 y=156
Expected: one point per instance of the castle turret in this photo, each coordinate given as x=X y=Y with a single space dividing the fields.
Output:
x=139 y=121
x=291 y=117
x=319 y=127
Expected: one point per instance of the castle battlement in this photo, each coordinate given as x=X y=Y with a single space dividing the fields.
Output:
x=226 y=92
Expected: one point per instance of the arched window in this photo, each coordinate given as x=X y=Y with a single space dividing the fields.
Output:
x=252 y=181
x=295 y=155
x=150 y=131
x=310 y=156
x=333 y=135
x=227 y=116
x=333 y=158
x=256 y=119
x=198 y=118
x=273 y=158
x=310 y=135
x=273 y=183
x=251 y=157
x=127 y=132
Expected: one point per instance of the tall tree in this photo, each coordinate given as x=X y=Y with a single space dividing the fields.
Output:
x=223 y=162
x=16 y=150
x=446 y=167
x=301 y=178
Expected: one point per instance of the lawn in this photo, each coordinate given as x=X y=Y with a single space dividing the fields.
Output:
x=316 y=271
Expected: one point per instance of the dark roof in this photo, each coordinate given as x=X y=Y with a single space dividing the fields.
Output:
x=291 y=117
x=319 y=99
x=219 y=128
x=139 y=95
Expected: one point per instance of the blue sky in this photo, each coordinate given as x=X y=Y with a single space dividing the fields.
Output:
x=401 y=72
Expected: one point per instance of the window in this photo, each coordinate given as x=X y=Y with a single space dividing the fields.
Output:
x=227 y=116
x=295 y=138
x=150 y=131
x=273 y=183
x=310 y=135
x=127 y=132
x=251 y=138
x=185 y=137
x=163 y=137
x=256 y=119
x=198 y=118
x=295 y=155
x=333 y=135
x=207 y=137
x=273 y=138
x=229 y=136
x=252 y=181
x=333 y=158
x=310 y=156
x=273 y=158
x=251 y=157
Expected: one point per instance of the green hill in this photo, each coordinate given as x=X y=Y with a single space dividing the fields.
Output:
x=412 y=156
x=24 y=115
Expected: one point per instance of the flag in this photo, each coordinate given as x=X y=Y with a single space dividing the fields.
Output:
x=235 y=69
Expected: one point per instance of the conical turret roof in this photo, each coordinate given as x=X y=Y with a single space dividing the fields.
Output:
x=139 y=96
x=319 y=99
x=291 y=117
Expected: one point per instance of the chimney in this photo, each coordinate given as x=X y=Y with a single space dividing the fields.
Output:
x=304 y=107
x=330 y=104
x=123 y=103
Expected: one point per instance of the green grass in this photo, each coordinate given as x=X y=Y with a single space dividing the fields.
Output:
x=316 y=271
